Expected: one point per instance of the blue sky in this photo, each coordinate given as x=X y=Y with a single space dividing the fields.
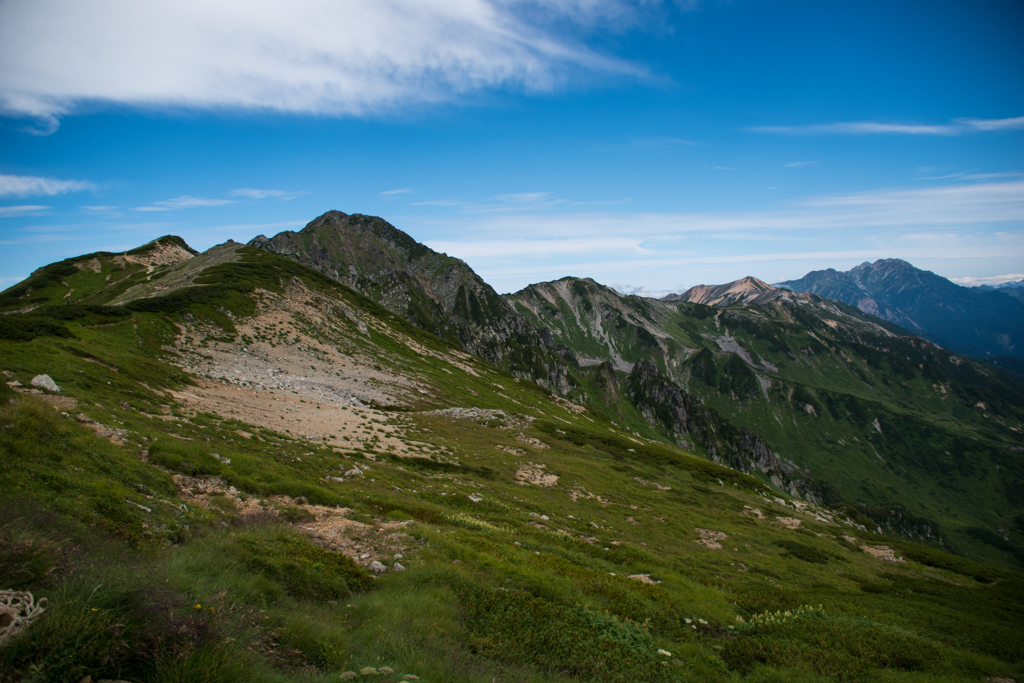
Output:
x=649 y=145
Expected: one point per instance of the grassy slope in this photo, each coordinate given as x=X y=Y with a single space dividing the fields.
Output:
x=496 y=591
x=946 y=459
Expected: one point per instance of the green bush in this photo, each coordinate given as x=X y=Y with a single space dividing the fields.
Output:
x=304 y=570
x=515 y=626
x=803 y=552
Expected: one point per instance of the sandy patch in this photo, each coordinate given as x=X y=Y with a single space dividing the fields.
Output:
x=711 y=538
x=160 y=255
x=652 y=483
x=276 y=352
x=789 y=522
x=334 y=425
x=644 y=578
x=882 y=552
x=533 y=473
x=580 y=493
x=531 y=441
x=329 y=527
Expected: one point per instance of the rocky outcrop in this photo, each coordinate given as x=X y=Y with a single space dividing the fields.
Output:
x=433 y=291
x=689 y=422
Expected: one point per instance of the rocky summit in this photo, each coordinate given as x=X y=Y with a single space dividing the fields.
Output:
x=972 y=321
x=335 y=454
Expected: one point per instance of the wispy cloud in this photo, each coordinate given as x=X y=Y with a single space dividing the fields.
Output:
x=526 y=198
x=31 y=186
x=637 y=290
x=183 y=202
x=954 y=127
x=440 y=202
x=306 y=56
x=1015 y=123
x=661 y=142
x=956 y=221
x=250 y=193
x=798 y=164
x=992 y=280
x=974 y=176
x=12 y=211
x=388 y=193
x=538 y=248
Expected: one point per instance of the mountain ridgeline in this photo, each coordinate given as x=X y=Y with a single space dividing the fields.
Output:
x=435 y=292
x=807 y=393
x=815 y=395
x=334 y=454
x=974 y=321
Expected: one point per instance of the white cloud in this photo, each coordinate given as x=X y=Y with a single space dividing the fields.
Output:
x=659 y=142
x=11 y=211
x=638 y=290
x=947 y=222
x=945 y=205
x=991 y=280
x=995 y=124
x=975 y=176
x=537 y=248
x=440 y=202
x=325 y=57
x=388 y=193
x=955 y=127
x=183 y=202
x=29 y=185
x=798 y=164
x=251 y=193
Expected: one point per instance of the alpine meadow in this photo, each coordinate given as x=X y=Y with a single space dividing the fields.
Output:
x=337 y=454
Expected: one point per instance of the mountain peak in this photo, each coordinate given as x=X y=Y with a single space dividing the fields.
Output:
x=968 y=321
x=746 y=290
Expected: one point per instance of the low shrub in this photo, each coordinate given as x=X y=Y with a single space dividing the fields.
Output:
x=577 y=642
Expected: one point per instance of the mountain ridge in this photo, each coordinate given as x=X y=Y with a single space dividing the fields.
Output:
x=965 y=320
x=250 y=471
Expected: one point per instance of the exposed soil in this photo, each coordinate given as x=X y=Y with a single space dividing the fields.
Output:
x=882 y=552
x=533 y=473
x=328 y=527
x=711 y=538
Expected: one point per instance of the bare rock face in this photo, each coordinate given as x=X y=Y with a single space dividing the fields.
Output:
x=46 y=383
x=689 y=421
x=435 y=292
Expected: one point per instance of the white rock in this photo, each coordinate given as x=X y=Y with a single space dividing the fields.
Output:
x=377 y=568
x=397 y=567
x=45 y=382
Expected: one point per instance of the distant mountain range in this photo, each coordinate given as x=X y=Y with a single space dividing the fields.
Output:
x=1014 y=289
x=975 y=321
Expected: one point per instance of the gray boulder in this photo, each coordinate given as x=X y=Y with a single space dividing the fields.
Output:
x=45 y=382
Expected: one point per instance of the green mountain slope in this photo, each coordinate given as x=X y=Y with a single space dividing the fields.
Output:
x=924 y=439
x=257 y=473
